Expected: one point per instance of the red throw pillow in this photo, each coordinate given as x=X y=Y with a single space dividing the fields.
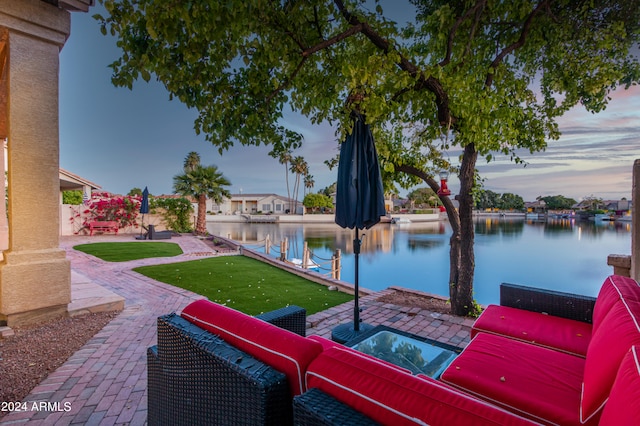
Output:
x=618 y=332
x=614 y=288
x=623 y=406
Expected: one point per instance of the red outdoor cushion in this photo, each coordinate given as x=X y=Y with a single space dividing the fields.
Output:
x=283 y=350
x=394 y=398
x=545 y=330
x=618 y=332
x=623 y=406
x=533 y=381
x=614 y=288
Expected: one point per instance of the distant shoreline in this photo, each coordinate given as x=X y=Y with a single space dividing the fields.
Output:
x=312 y=218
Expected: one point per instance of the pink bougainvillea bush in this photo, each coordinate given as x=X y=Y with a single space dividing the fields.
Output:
x=105 y=206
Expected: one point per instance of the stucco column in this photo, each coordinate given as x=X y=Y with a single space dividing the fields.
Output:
x=635 y=222
x=35 y=276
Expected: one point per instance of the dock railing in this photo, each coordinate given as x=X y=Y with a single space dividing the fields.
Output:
x=329 y=267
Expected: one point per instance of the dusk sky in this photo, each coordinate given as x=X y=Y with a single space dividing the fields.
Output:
x=121 y=139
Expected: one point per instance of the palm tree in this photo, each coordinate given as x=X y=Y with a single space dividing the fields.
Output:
x=202 y=182
x=283 y=158
x=300 y=168
x=191 y=161
x=308 y=183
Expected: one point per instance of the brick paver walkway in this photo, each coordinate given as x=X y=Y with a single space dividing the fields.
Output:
x=105 y=382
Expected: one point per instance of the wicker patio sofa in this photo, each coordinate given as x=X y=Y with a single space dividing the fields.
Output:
x=215 y=365
x=532 y=382
x=556 y=357
x=195 y=377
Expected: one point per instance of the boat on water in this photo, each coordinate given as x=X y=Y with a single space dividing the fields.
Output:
x=400 y=220
x=602 y=217
x=310 y=264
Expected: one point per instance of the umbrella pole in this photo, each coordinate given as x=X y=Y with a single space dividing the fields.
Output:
x=356 y=307
x=344 y=333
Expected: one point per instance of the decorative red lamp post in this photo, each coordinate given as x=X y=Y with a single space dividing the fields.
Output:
x=444 y=190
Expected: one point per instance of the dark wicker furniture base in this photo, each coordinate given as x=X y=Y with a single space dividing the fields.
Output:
x=315 y=407
x=196 y=378
x=566 y=305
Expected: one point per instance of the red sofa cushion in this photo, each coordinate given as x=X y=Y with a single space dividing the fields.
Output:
x=283 y=350
x=395 y=398
x=532 y=327
x=623 y=405
x=614 y=288
x=618 y=332
x=536 y=382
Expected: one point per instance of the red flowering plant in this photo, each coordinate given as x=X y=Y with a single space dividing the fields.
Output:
x=104 y=206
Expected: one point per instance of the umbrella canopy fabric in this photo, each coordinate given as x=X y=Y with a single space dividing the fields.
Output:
x=144 y=205
x=360 y=194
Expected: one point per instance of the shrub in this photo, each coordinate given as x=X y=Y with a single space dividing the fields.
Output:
x=176 y=212
x=72 y=197
x=109 y=207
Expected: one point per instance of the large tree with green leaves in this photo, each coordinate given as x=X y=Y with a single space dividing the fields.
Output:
x=558 y=202
x=202 y=183
x=423 y=197
x=483 y=77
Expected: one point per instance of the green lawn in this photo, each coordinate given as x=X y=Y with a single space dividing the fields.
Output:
x=246 y=284
x=122 y=252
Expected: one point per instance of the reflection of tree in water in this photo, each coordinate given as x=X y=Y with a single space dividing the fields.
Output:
x=557 y=227
x=415 y=243
x=405 y=354
x=327 y=242
x=495 y=226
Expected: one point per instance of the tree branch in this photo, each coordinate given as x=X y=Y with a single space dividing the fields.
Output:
x=333 y=40
x=430 y=83
x=454 y=29
x=433 y=184
x=517 y=44
x=285 y=83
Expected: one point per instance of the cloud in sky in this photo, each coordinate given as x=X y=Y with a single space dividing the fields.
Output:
x=594 y=155
x=122 y=139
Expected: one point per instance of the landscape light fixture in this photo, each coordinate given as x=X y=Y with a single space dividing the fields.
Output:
x=444 y=190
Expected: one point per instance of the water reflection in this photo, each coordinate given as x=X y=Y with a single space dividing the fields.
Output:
x=419 y=357
x=497 y=226
x=560 y=254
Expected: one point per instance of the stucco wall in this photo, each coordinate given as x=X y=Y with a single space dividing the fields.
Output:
x=71 y=219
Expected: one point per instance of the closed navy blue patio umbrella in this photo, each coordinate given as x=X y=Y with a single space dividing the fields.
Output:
x=359 y=204
x=144 y=205
x=144 y=208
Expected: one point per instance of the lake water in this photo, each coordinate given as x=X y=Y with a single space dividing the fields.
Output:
x=559 y=254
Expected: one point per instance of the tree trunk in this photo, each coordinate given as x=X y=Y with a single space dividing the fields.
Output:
x=201 y=221
x=455 y=254
x=461 y=289
x=286 y=175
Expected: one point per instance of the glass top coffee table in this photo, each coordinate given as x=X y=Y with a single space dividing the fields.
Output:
x=417 y=354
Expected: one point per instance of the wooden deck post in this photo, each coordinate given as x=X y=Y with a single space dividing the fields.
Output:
x=305 y=256
x=335 y=265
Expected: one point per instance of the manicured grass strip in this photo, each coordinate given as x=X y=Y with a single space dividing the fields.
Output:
x=245 y=284
x=122 y=252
